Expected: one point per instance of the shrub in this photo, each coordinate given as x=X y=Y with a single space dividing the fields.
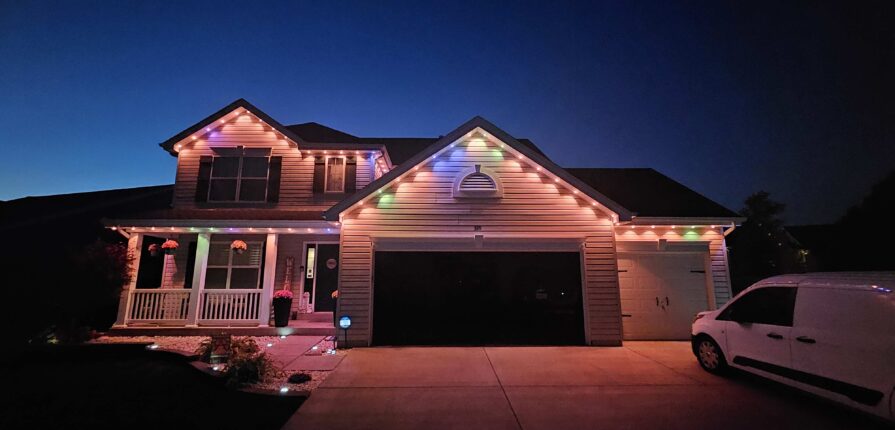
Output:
x=246 y=364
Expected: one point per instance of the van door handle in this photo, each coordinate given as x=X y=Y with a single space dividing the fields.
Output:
x=805 y=339
x=773 y=335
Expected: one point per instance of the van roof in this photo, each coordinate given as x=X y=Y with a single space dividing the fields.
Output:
x=872 y=281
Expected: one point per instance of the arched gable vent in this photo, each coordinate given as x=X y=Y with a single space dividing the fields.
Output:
x=477 y=182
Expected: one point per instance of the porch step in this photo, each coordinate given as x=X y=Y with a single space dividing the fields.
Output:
x=317 y=317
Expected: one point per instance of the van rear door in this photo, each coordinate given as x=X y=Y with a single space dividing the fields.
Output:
x=843 y=342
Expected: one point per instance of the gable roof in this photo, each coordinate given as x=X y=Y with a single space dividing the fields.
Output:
x=169 y=145
x=649 y=193
x=478 y=122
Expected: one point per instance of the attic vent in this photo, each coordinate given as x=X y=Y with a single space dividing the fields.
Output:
x=477 y=182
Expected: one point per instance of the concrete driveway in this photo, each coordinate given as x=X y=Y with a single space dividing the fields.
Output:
x=640 y=385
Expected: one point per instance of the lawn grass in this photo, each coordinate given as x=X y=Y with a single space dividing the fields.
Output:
x=130 y=391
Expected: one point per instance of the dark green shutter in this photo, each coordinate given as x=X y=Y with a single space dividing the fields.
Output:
x=319 y=172
x=273 y=179
x=350 y=174
x=204 y=179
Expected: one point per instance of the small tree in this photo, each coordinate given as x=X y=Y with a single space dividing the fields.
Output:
x=761 y=247
x=96 y=274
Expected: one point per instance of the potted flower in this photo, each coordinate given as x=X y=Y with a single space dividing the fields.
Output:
x=170 y=246
x=282 y=304
x=153 y=250
x=239 y=247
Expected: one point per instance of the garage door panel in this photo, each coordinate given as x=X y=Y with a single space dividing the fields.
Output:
x=428 y=298
x=660 y=293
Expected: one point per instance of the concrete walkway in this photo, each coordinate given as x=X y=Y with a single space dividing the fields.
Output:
x=641 y=385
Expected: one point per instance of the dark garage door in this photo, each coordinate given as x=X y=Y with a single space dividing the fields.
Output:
x=477 y=298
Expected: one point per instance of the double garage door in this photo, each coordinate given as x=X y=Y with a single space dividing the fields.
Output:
x=661 y=293
x=477 y=298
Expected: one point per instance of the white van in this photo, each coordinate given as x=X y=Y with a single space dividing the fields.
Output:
x=831 y=334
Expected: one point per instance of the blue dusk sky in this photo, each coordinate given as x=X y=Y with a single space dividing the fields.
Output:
x=726 y=97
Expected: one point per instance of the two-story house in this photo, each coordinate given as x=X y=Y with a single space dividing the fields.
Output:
x=473 y=237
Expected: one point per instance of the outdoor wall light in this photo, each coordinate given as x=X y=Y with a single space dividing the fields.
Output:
x=284 y=390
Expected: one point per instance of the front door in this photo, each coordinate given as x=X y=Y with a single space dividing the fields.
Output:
x=758 y=327
x=327 y=277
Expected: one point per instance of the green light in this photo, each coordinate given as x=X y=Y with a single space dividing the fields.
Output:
x=691 y=235
x=385 y=201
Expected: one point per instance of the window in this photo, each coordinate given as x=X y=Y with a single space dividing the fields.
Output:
x=229 y=270
x=335 y=175
x=239 y=175
x=770 y=305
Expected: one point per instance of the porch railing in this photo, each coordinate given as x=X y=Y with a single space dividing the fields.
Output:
x=159 y=306
x=230 y=306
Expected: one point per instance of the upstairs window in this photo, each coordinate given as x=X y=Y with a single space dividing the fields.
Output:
x=239 y=175
x=335 y=175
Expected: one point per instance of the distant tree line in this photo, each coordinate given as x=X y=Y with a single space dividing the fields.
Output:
x=861 y=240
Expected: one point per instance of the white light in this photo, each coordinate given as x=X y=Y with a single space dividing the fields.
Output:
x=284 y=390
x=114 y=228
x=314 y=347
x=341 y=152
x=194 y=137
x=692 y=226
x=632 y=227
x=519 y=156
x=290 y=229
x=539 y=168
x=269 y=345
x=593 y=203
x=434 y=157
x=153 y=346
x=652 y=226
x=282 y=337
x=178 y=147
x=575 y=192
x=556 y=180
x=207 y=129
x=216 y=368
x=309 y=230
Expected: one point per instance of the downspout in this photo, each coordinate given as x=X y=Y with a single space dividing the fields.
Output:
x=730 y=229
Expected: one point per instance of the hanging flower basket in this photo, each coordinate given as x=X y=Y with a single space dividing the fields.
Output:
x=153 y=250
x=170 y=246
x=282 y=304
x=239 y=247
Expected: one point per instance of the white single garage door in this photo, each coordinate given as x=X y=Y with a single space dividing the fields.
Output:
x=661 y=293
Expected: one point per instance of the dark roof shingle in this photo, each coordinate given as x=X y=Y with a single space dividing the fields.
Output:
x=649 y=193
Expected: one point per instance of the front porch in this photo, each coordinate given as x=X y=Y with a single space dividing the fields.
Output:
x=313 y=324
x=206 y=285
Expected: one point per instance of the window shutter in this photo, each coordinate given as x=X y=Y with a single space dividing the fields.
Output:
x=273 y=179
x=204 y=179
x=350 y=174
x=319 y=172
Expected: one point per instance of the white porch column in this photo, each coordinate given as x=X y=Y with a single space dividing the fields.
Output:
x=270 y=272
x=198 y=283
x=134 y=246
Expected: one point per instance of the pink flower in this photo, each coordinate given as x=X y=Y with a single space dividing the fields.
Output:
x=170 y=244
x=238 y=244
x=282 y=294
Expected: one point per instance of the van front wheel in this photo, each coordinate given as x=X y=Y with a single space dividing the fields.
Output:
x=709 y=355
